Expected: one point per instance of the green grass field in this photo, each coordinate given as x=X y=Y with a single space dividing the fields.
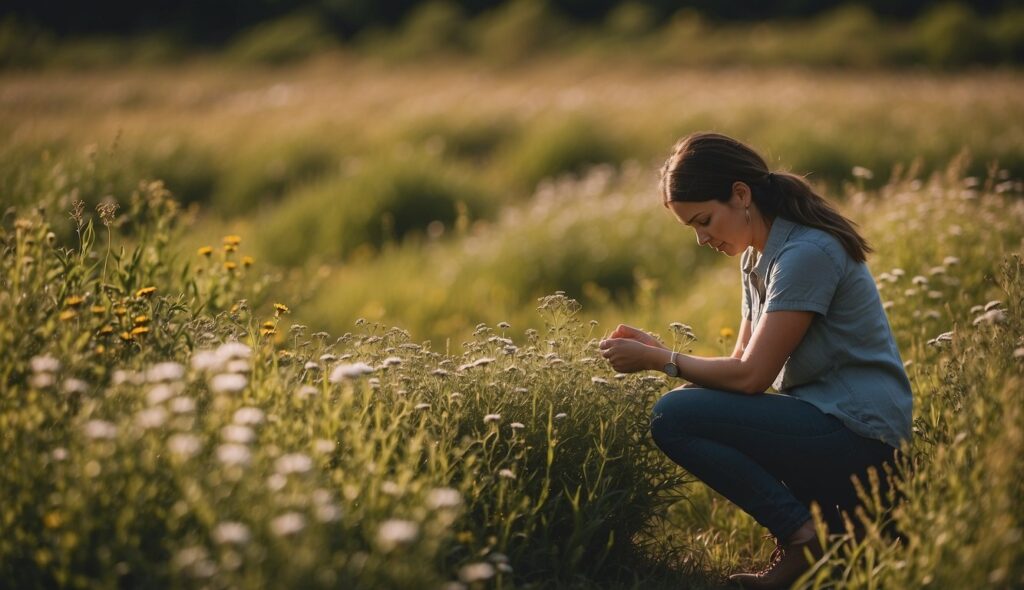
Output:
x=327 y=349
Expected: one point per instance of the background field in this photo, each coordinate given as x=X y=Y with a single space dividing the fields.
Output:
x=414 y=205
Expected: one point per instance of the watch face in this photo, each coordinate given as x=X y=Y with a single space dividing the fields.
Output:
x=671 y=370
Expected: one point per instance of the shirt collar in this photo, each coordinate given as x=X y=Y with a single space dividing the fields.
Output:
x=777 y=236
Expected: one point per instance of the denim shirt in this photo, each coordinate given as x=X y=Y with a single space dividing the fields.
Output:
x=847 y=364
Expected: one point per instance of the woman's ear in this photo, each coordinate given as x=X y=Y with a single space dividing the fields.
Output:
x=741 y=192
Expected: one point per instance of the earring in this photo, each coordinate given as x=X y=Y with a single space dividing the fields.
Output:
x=746 y=212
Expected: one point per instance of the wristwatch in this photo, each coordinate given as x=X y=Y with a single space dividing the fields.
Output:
x=672 y=369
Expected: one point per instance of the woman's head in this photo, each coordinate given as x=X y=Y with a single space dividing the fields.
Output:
x=724 y=189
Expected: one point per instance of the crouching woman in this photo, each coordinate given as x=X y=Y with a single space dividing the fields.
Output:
x=812 y=326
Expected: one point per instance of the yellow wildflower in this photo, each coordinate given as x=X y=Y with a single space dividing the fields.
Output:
x=145 y=292
x=234 y=308
x=141 y=319
x=127 y=337
x=52 y=520
x=100 y=349
x=280 y=309
x=98 y=310
x=230 y=248
x=105 y=331
x=230 y=266
x=140 y=331
x=247 y=261
x=120 y=311
x=67 y=314
x=74 y=301
x=268 y=328
x=726 y=333
x=205 y=251
x=286 y=354
x=232 y=240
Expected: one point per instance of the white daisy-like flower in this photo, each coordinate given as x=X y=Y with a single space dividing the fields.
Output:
x=443 y=498
x=44 y=364
x=992 y=305
x=237 y=433
x=287 y=524
x=517 y=425
x=476 y=572
x=248 y=415
x=234 y=350
x=228 y=383
x=183 y=445
x=306 y=391
x=396 y=531
x=166 y=371
x=560 y=415
x=99 y=429
x=293 y=463
x=392 y=361
x=423 y=406
x=207 y=361
x=507 y=474
x=73 y=385
x=151 y=417
x=311 y=366
x=159 y=394
x=491 y=418
x=229 y=532
x=234 y=454
x=238 y=366
x=182 y=405
x=324 y=446
x=349 y=371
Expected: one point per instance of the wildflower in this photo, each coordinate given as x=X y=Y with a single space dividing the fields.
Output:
x=230 y=266
x=232 y=240
x=231 y=532
x=349 y=371
x=993 y=304
x=492 y=418
x=993 y=316
x=141 y=320
x=328 y=358
x=935 y=295
x=327 y=512
x=206 y=251
x=268 y=328
x=44 y=364
x=862 y=173
x=74 y=301
x=166 y=371
x=248 y=261
x=919 y=280
x=476 y=572
x=97 y=429
x=237 y=433
x=228 y=383
x=287 y=524
x=726 y=333
x=599 y=381
x=950 y=261
x=443 y=498
x=306 y=391
x=105 y=331
x=439 y=373
x=233 y=350
x=42 y=380
x=248 y=415
x=293 y=463
x=98 y=310
x=1019 y=353
x=504 y=325
x=59 y=454
x=206 y=360
x=517 y=426
x=140 y=331
x=392 y=361
x=234 y=454
x=68 y=314
x=182 y=405
x=151 y=417
x=311 y=366
x=507 y=474
x=324 y=446
x=897 y=272
x=145 y=292
x=120 y=311
x=73 y=385
x=423 y=406
x=280 y=309
x=396 y=532
x=560 y=415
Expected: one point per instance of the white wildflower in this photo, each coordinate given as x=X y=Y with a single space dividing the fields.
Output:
x=950 y=261
x=183 y=445
x=327 y=513
x=328 y=358
x=288 y=523
x=236 y=433
x=621 y=376
x=862 y=173
x=517 y=425
x=919 y=280
x=442 y=498
x=390 y=488
x=561 y=416
x=151 y=418
x=1019 y=353
x=423 y=406
x=276 y=482
x=504 y=325
x=507 y=474
x=44 y=364
x=159 y=394
x=42 y=380
x=492 y=418
x=233 y=350
x=599 y=380
x=306 y=391
x=60 y=453
x=231 y=532
x=207 y=361
x=234 y=454
x=248 y=415
x=72 y=385
x=476 y=572
x=349 y=371
x=228 y=383
x=439 y=373
x=324 y=446
x=993 y=304
x=396 y=532
x=167 y=371
x=121 y=376
x=392 y=361
x=293 y=463
x=311 y=366
x=237 y=366
x=182 y=405
x=99 y=429
x=993 y=316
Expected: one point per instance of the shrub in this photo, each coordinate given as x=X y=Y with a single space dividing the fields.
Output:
x=287 y=39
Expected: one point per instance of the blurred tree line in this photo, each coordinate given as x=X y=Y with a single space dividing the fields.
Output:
x=215 y=21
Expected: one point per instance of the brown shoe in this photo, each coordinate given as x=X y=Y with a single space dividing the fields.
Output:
x=787 y=563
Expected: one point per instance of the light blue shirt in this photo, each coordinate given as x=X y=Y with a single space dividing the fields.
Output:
x=847 y=365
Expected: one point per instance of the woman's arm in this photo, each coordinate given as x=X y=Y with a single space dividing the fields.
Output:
x=742 y=340
x=777 y=336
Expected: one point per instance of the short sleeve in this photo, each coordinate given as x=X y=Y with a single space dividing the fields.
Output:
x=804 y=278
x=746 y=306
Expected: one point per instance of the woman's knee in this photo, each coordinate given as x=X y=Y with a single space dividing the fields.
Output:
x=674 y=412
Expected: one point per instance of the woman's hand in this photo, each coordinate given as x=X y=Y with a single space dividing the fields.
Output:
x=631 y=333
x=627 y=355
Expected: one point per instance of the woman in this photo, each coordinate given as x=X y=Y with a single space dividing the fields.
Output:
x=812 y=325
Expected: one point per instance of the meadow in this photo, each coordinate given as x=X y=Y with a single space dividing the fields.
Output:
x=336 y=325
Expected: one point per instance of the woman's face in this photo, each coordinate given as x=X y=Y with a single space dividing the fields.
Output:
x=722 y=226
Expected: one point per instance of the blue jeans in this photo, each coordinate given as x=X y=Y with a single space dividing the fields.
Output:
x=771 y=455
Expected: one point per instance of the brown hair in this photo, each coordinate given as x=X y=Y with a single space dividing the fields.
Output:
x=704 y=166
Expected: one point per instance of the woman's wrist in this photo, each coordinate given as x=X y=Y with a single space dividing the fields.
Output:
x=657 y=358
